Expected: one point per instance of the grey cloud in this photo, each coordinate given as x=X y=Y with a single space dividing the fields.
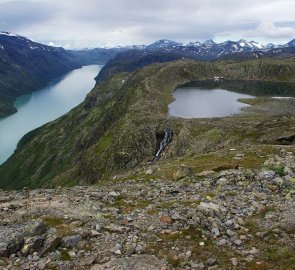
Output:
x=16 y=15
x=117 y=22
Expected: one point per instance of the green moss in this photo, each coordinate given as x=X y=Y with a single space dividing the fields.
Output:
x=264 y=211
x=64 y=255
x=103 y=143
x=280 y=170
x=63 y=229
x=51 y=221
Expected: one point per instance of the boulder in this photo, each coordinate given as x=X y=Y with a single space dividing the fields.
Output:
x=51 y=243
x=182 y=172
x=71 y=241
x=10 y=244
x=208 y=207
x=32 y=244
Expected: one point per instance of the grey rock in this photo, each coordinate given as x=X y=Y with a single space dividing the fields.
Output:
x=117 y=249
x=267 y=175
x=130 y=250
x=229 y=223
x=41 y=265
x=238 y=242
x=215 y=232
x=222 y=242
x=35 y=228
x=10 y=244
x=32 y=245
x=222 y=181
x=254 y=251
x=207 y=207
x=198 y=266
x=211 y=261
x=72 y=254
x=234 y=261
x=278 y=181
x=182 y=172
x=71 y=241
x=139 y=249
x=50 y=244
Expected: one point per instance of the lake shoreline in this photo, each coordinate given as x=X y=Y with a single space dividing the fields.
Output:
x=45 y=105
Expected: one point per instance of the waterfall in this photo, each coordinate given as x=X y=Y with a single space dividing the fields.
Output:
x=167 y=139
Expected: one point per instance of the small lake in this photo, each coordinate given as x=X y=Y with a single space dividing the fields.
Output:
x=207 y=99
x=45 y=105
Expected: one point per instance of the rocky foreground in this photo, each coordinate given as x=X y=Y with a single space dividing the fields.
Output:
x=231 y=219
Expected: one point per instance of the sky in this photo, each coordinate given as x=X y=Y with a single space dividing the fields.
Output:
x=108 y=23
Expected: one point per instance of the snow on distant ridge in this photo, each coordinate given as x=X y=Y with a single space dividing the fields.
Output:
x=8 y=34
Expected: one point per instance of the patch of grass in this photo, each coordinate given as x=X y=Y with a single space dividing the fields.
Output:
x=290 y=229
x=280 y=170
x=51 y=221
x=262 y=213
x=64 y=255
x=48 y=267
x=108 y=216
x=127 y=206
x=104 y=143
x=59 y=224
x=252 y=225
x=231 y=193
x=142 y=203
x=275 y=253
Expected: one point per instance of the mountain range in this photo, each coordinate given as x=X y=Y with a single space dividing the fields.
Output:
x=26 y=66
x=210 y=50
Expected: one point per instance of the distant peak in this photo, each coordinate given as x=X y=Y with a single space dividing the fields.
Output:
x=209 y=42
x=195 y=44
x=164 y=43
x=291 y=43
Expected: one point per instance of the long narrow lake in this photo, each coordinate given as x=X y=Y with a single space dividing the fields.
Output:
x=45 y=105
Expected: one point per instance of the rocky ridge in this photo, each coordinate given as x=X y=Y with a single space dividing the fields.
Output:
x=226 y=218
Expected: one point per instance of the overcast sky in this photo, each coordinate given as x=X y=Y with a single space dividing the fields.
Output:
x=94 y=23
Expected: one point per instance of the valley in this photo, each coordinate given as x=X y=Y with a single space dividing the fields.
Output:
x=45 y=105
x=26 y=66
x=82 y=147
x=120 y=182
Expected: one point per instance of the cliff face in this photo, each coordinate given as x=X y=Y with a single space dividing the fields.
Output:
x=122 y=121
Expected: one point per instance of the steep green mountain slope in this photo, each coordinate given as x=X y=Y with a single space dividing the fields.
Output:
x=122 y=120
x=134 y=59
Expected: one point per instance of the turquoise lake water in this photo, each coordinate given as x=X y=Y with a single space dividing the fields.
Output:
x=45 y=105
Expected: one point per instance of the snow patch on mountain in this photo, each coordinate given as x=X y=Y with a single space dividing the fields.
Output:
x=8 y=34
